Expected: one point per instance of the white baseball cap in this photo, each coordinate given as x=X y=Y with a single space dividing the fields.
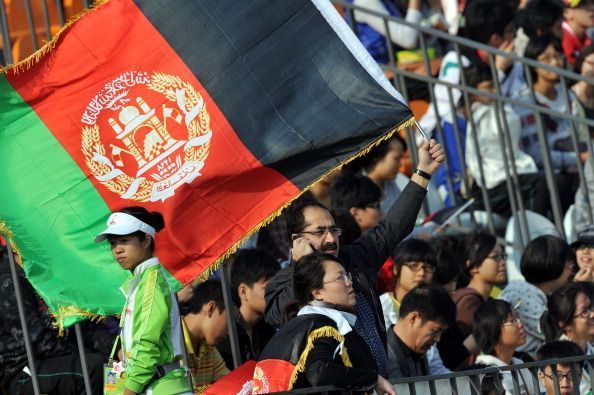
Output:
x=124 y=224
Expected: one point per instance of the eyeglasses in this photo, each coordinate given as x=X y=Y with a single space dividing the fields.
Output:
x=416 y=266
x=584 y=314
x=515 y=322
x=336 y=231
x=498 y=257
x=562 y=376
x=344 y=277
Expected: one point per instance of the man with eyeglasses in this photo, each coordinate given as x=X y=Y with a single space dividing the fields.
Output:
x=568 y=375
x=312 y=228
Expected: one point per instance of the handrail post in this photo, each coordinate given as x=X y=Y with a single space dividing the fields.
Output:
x=21 y=309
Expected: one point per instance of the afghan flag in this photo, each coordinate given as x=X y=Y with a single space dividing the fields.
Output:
x=215 y=113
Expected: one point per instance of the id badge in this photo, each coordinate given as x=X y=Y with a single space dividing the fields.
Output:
x=114 y=378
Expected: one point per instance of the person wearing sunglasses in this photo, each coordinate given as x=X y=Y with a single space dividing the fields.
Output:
x=318 y=345
x=499 y=332
x=484 y=269
x=569 y=317
x=568 y=375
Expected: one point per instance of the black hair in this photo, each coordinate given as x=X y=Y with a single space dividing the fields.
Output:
x=152 y=218
x=250 y=266
x=448 y=266
x=579 y=62
x=558 y=349
x=354 y=190
x=308 y=275
x=349 y=226
x=414 y=250
x=483 y=18
x=476 y=73
x=544 y=259
x=560 y=311
x=432 y=302
x=371 y=159
x=539 y=16
x=487 y=323
x=295 y=217
x=203 y=293
x=478 y=247
x=537 y=46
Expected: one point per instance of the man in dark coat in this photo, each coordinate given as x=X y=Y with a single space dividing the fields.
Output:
x=312 y=228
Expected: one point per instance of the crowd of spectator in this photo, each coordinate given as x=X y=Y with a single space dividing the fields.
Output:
x=336 y=291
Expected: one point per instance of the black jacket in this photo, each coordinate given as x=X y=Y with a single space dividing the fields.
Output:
x=363 y=258
x=323 y=365
x=249 y=349
x=402 y=361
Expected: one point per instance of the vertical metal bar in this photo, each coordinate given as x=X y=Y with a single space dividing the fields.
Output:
x=21 y=309
x=534 y=374
x=497 y=381
x=412 y=141
x=31 y=23
x=432 y=389
x=229 y=308
x=509 y=164
x=556 y=385
x=60 y=10
x=46 y=20
x=454 y=386
x=390 y=45
x=87 y=3
x=461 y=155
x=6 y=45
x=446 y=162
x=575 y=378
x=574 y=141
x=437 y=116
x=546 y=157
x=475 y=384
x=412 y=390
x=83 y=358
x=484 y=193
x=515 y=382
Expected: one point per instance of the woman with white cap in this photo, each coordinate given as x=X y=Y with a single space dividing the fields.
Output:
x=152 y=339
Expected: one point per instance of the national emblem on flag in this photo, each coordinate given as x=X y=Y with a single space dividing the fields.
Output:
x=215 y=113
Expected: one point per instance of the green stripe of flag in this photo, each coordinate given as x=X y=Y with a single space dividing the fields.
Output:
x=54 y=201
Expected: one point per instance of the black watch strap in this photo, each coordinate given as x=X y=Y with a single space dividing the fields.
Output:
x=422 y=173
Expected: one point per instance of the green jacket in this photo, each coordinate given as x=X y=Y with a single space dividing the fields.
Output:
x=151 y=329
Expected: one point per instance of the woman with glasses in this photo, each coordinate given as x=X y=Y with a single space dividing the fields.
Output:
x=484 y=268
x=414 y=264
x=499 y=332
x=319 y=346
x=569 y=317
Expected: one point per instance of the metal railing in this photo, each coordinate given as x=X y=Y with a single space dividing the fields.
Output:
x=455 y=43
x=474 y=382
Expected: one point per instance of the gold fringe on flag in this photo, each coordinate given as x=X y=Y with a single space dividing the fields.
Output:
x=36 y=56
x=73 y=311
x=325 y=331
x=212 y=268
x=7 y=233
